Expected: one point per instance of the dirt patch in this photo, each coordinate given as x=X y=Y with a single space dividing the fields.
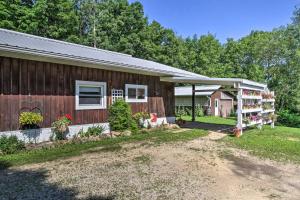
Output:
x=293 y=139
x=199 y=169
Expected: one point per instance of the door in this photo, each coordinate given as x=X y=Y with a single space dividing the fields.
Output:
x=216 y=107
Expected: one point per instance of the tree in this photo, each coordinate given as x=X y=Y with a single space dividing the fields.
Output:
x=231 y=59
x=208 y=54
x=270 y=57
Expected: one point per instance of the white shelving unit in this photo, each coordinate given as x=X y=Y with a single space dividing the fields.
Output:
x=251 y=97
x=254 y=110
x=255 y=97
x=252 y=123
x=268 y=100
x=268 y=111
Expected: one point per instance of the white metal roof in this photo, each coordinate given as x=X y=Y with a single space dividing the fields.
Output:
x=19 y=44
x=207 y=90
x=243 y=83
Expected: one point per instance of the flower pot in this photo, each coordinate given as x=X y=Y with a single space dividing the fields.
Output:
x=62 y=128
x=237 y=132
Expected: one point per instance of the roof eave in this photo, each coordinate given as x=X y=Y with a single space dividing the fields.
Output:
x=16 y=52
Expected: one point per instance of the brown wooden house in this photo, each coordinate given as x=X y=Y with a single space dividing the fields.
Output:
x=57 y=78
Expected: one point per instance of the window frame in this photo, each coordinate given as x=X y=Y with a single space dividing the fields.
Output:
x=103 y=85
x=136 y=86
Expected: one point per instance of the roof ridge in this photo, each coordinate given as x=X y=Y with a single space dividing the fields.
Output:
x=62 y=42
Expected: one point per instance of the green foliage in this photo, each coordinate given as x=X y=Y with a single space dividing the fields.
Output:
x=180 y=111
x=187 y=110
x=30 y=119
x=232 y=113
x=287 y=118
x=120 y=116
x=11 y=144
x=92 y=131
x=134 y=127
x=199 y=111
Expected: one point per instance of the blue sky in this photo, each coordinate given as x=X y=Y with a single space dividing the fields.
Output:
x=223 y=18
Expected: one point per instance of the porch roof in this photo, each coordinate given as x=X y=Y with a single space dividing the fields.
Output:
x=234 y=82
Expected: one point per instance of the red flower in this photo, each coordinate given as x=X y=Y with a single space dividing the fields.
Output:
x=68 y=116
x=153 y=117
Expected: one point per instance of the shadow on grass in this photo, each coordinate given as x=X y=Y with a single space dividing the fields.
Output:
x=4 y=165
x=225 y=128
x=32 y=184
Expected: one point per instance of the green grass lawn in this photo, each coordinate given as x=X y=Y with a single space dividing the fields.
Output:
x=109 y=144
x=280 y=143
x=213 y=120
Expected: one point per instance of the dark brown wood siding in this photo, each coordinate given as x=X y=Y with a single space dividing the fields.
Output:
x=31 y=85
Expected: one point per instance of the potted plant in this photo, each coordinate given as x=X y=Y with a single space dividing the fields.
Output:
x=141 y=119
x=237 y=132
x=30 y=120
x=272 y=117
x=61 y=125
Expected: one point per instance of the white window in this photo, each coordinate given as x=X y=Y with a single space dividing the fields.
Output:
x=116 y=94
x=136 y=93
x=90 y=95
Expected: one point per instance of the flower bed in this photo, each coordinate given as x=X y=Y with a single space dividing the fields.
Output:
x=251 y=93
x=268 y=95
x=251 y=106
x=252 y=119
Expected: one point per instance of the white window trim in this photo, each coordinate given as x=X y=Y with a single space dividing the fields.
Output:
x=145 y=87
x=92 y=84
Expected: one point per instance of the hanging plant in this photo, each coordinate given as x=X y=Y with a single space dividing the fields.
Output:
x=30 y=120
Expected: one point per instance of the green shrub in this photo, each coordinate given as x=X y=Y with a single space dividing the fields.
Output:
x=180 y=111
x=120 y=116
x=134 y=127
x=232 y=113
x=199 y=111
x=11 y=144
x=30 y=120
x=188 y=111
x=92 y=131
x=287 y=118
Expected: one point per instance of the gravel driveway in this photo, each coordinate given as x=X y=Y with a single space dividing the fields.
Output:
x=200 y=169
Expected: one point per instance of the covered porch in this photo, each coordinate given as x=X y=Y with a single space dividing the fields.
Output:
x=255 y=103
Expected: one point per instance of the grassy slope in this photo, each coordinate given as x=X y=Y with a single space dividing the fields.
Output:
x=281 y=143
x=213 y=120
x=68 y=150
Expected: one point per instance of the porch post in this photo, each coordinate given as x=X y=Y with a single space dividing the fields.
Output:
x=239 y=109
x=193 y=102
